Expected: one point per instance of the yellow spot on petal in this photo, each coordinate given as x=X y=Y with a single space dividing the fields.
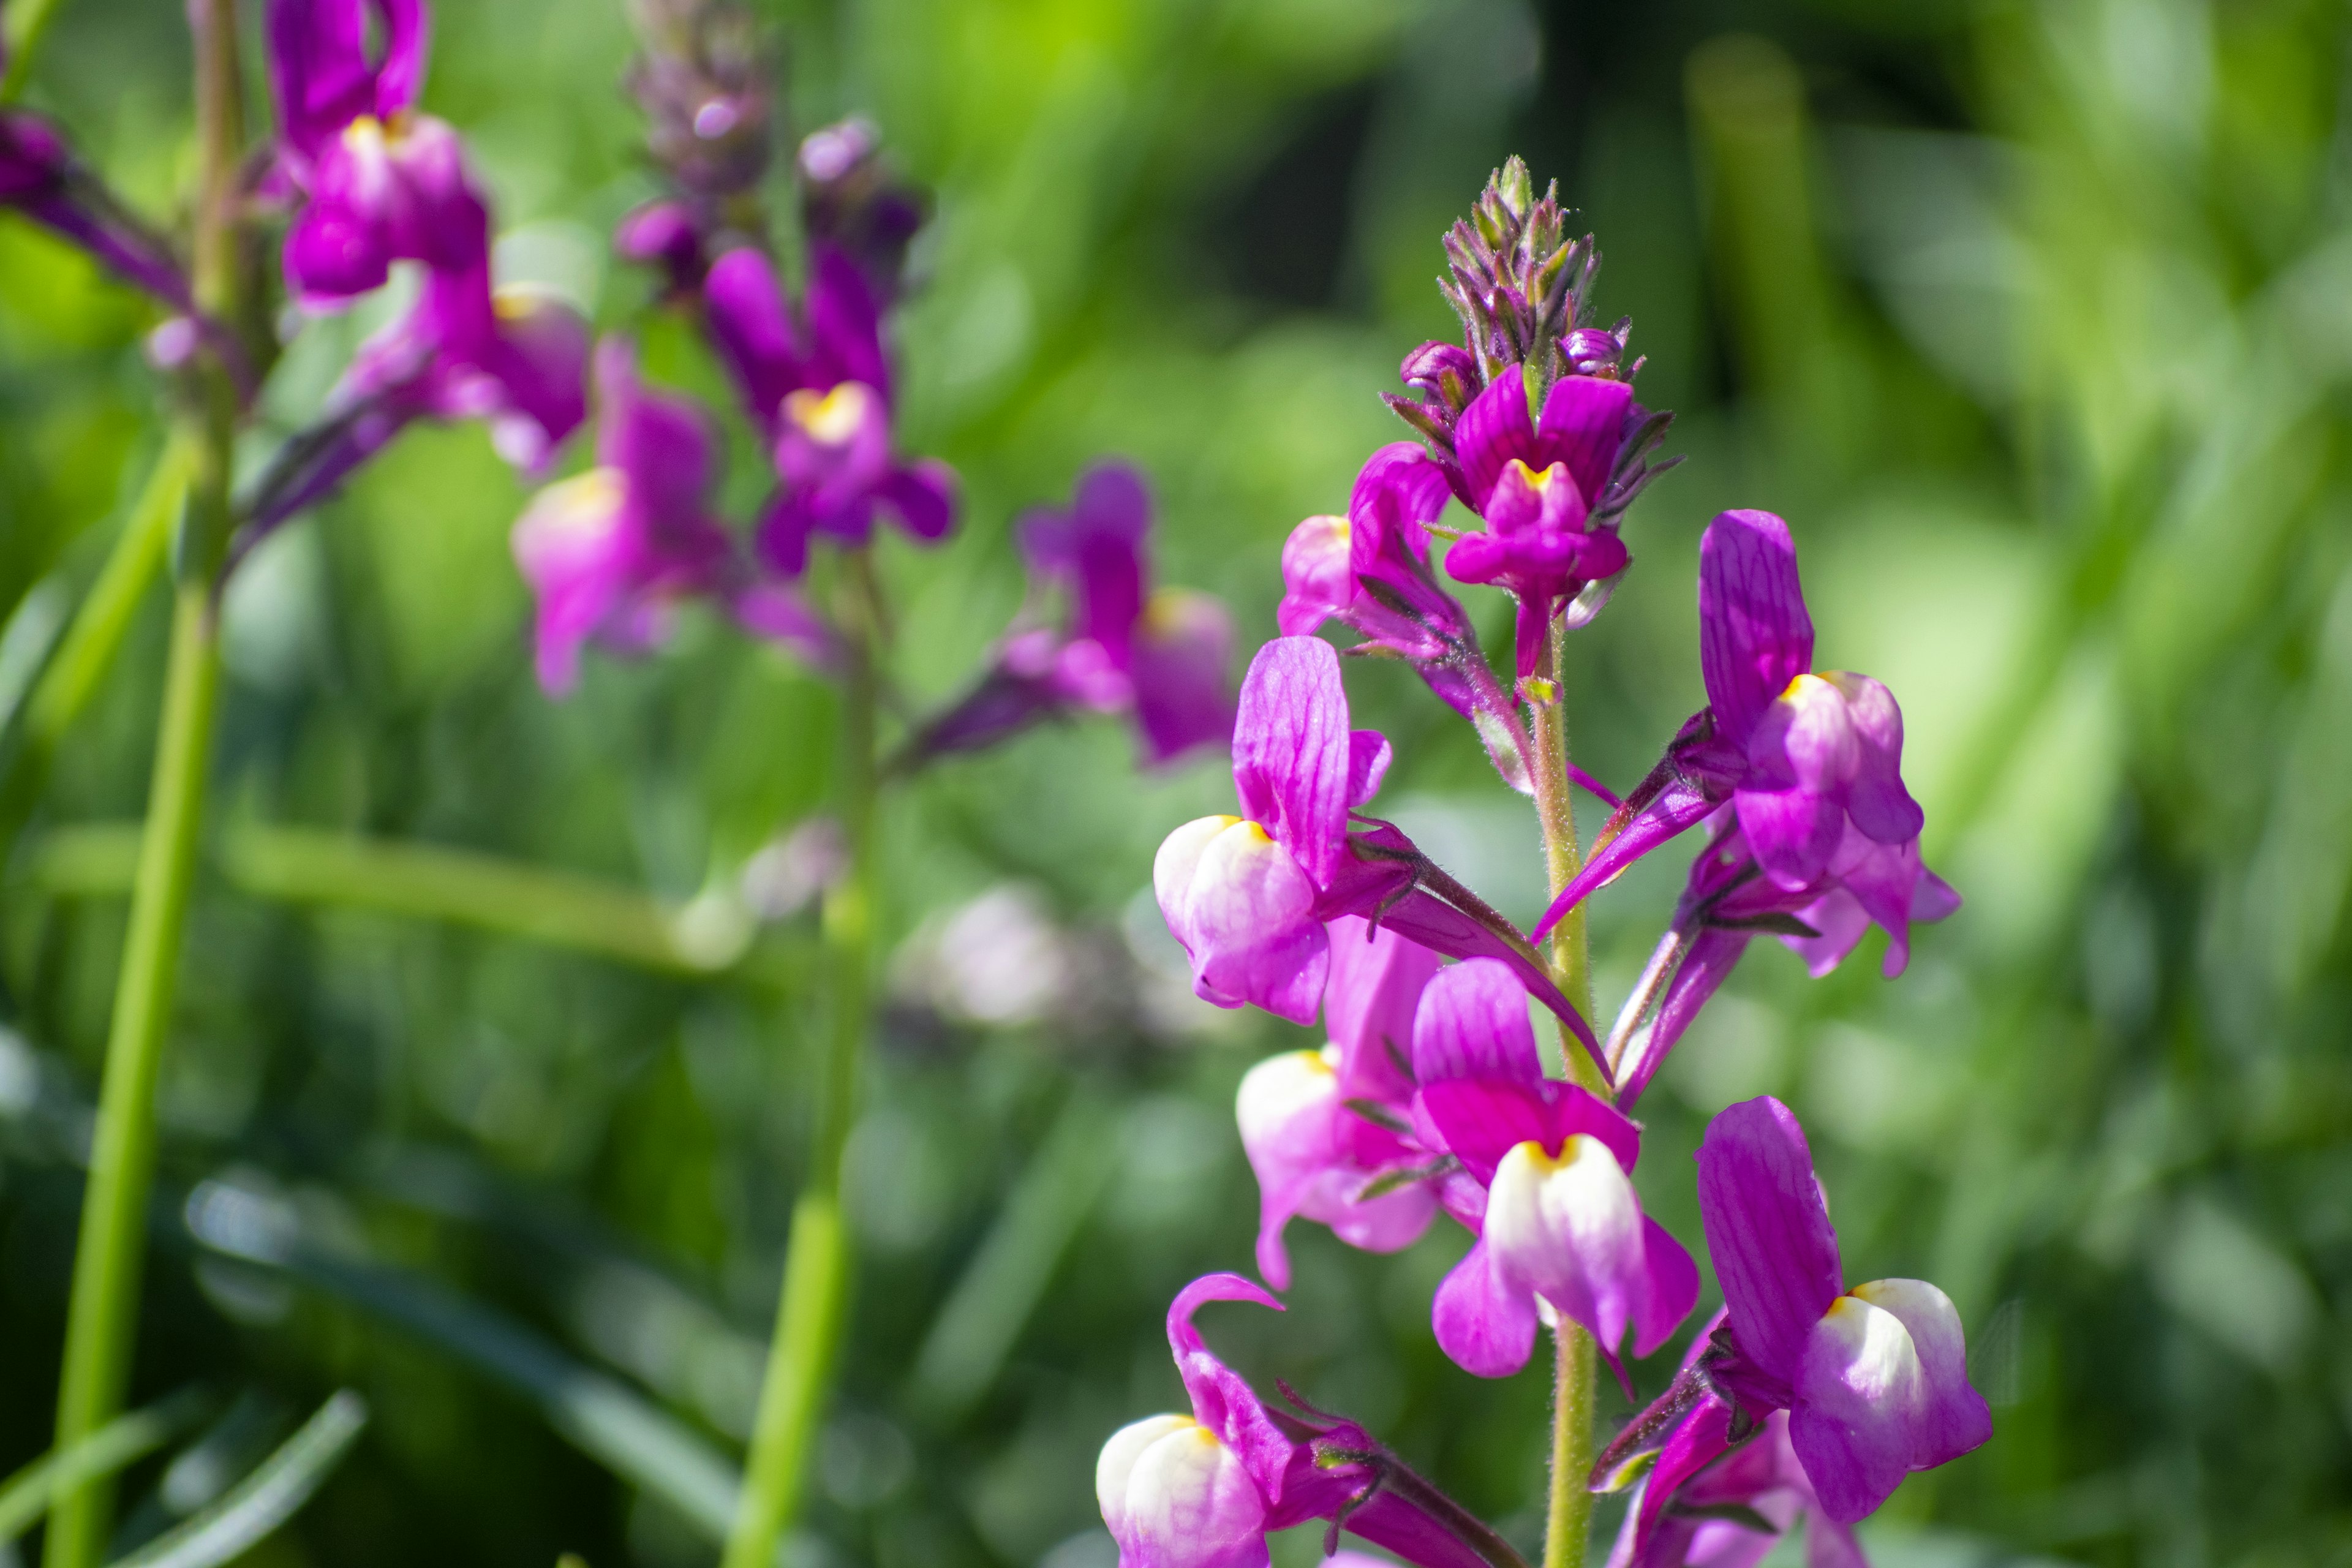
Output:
x=831 y=417
x=364 y=136
x=584 y=502
x=1807 y=687
x=1540 y=482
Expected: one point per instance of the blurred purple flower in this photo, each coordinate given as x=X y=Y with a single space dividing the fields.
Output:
x=1203 y=1490
x=818 y=386
x=1539 y=486
x=608 y=552
x=1122 y=648
x=381 y=182
x=1561 y=1223
x=41 y=178
x=1249 y=897
x=1874 y=1378
x=1321 y=1127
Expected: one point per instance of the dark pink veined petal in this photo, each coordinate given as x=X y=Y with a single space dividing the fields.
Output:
x=1398 y=490
x=1792 y=832
x=1767 y=1232
x=1483 y=1324
x=1105 y=532
x=1671 y=1290
x=1677 y=809
x=1713 y=955
x=1754 y=636
x=1180 y=666
x=743 y=308
x=1697 y=1442
x=1584 y=418
x=1293 y=752
x=1840 y=920
x=406 y=47
x=1222 y=1401
x=663 y=444
x=923 y=494
x=1881 y=807
x=1480 y=1120
x=1376 y=980
x=1473 y=1024
x=1319 y=579
x=1493 y=429
x=845 y=321
x=1368 y=763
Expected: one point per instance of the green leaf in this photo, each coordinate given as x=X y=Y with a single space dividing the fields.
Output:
x=271 y=1495
x=124 y=1441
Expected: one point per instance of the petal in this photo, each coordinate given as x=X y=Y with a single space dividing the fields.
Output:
x=1700 y=1439
x=1840 y=918
x=1480 y=1120
x=1317 y=580
x=1487 y=1328
x=663 y=444
x=1583 y=418
x=1368 y=763
x=1286 y=1108
x=1767 y=1231
x=1473 y=1024
x=1881 y=807
x=1440 y=927
x=1292 y=752
x=923 y=494
x=1188 y=1502
x=1671 y=1288
x=1376 y=981
x=1568 y=1227
x=1792 y=832
x=1754 y=637
x=1398 y=489
x=1956 y=1418
x=1493 y=429
x=1862 y=1408
x=1248 y=918
x=1222 y=1399
x=1173 y=867
x=1117 y=1464
x=1713 y=955
x=845 y=321
x=743 y=310
x=1179 y=667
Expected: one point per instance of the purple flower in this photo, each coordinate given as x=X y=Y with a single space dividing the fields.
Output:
x=1539 y=486
x=516 y=360
x=1122 y=648
x=606 y=552
x=1711 y=1500
x=382 y=183
x=1874 y=1378
x=1800 y=756
x=1319 y=1127
x=1203 y=1490
x=1730 y=900
x=1562 y=1224
x=664 y=234
x=818 y=386
x=1250 y=896
x=41 y=178
x=850 y=201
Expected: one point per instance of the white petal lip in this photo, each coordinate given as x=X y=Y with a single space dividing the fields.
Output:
x=1862 y=1353
x=1175 y=1497
x=1568 y=1229
x=1173 y=868
x=1284 y=1108
x=1116 y=1466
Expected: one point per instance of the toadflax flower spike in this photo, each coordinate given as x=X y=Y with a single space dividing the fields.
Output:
x=1250 y=896
x=1874 y=1378
x=1562 y=1223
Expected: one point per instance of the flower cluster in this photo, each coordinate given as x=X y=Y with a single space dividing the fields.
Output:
x=1806 y=1398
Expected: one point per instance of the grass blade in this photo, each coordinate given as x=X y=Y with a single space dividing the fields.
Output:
x=24 y=1496
x=271 y=1495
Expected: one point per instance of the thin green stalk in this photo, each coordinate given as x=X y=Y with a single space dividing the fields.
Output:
x=103 y=1312
x=25 y=25
x=1568 y=1519
x=815 y=1292
x=101 y=1316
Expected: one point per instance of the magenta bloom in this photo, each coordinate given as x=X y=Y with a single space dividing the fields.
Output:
x=1799 y=756
x=1562 y=1223
x=1874 y=1378
x=818 y=385
x=1250 y=896
x=1201 y=1491
x=1711 y=1502
x=1539 y=485
x=608 y=552
x=41 y=178
x=1319 y=1127
x=381 y=183
x=516 y=360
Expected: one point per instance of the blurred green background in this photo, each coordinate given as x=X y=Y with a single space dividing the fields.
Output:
x=2034 y=319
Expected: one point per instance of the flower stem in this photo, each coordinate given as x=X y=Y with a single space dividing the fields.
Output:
x=1567 y=1520
x=103 y=1311
x=815 y=1292
x=103 y=1314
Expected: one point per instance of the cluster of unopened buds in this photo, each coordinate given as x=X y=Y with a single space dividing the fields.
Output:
x=1804 y=1398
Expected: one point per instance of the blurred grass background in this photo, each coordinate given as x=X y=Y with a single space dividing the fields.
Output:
x=2035 y=320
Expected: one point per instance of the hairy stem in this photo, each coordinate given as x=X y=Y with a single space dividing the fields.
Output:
x=1569 y=1518
x=816 y=1259
x=102 y=1313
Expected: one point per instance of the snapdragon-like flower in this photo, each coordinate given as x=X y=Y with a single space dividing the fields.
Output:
x=818 y=385
x=1250 y=897
x=1714 y=1491
x=41 y=178
x=1322 y=1128
x=1561 y=1223
x=1162 y=655
x=1203 y=1490
x=1798 y=755
x=608 y=552
x=1875 y=1378
x=381 y=182
x=516 y=359
x=1538 y=485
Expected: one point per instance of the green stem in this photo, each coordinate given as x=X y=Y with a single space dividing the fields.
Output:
x=1567 y=1520
x=815 y=1292
x=26 y=24
x=104 y=1309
